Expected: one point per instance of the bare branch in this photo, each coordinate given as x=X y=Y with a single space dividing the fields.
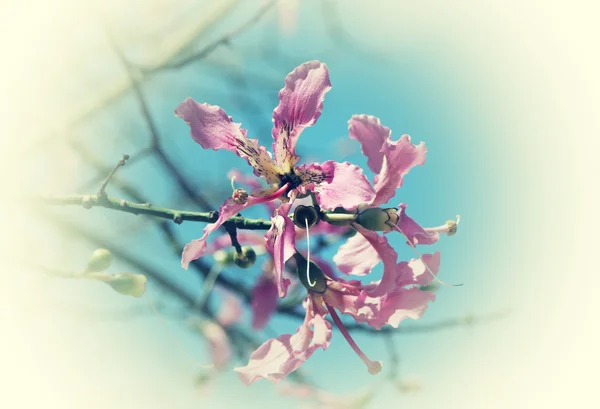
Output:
x=223 y=40
x=178 y=216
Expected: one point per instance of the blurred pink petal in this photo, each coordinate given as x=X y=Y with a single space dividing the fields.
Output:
x=265 y=297
x=230 y=310
x=218 y=341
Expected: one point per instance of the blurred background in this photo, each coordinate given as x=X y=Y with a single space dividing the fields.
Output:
x=504 y=95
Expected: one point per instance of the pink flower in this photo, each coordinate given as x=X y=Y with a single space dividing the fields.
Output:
x=334 y=184
x=278 y=357
x=390 y=161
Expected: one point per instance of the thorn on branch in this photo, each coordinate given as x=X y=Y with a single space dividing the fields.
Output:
x=102 y=190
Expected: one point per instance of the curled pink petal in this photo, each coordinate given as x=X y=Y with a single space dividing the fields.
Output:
x=389 y=257
x=415 y=273
x=300 y=105
x=278 y=357
x=371 y=135
x=265 y=296
x=337 y=184
x=357 y=256
x=401 y=304
x=212 y=128
x=280 y=242
x=196 y=248
x=415 y=233
x=399 y=157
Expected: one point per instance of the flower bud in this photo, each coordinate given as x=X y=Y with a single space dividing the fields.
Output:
x=128 y=284
x=304 y=214
x=378 y=219
x=315 y=275
x=100 y=260
x=240 y=196
x=246 y=258
x=224 y=257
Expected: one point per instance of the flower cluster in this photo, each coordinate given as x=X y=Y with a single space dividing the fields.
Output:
x=341 y=198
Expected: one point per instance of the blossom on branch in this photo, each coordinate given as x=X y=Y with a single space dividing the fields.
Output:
x=334 y=184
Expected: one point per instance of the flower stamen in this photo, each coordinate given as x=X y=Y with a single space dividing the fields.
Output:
x=420 y=257
x=448 y=228
x=374 y=367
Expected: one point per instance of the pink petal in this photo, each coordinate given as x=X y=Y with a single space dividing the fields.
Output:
x=264 y=301
x=212 y=128
x=387 y=308
x=278 y=357
x=399 y=157
x=218 y=341
x=300 y=105
x=230 y=310
x=415 y=273
x=280 y=242
x=196 y=248
x=400 y=304
x=337 y=184
x=371 y=135
x=389 y=257
x=415 y=233
x=357 y=256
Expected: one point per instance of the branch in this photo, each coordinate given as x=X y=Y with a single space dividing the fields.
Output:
x=102 y=190
x=468 y=319
x=178 y=216
x=223 y=40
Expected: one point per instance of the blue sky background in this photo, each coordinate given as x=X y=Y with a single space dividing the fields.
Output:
x=487 y=110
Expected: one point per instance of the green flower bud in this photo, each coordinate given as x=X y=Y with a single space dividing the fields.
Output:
x=315 y=275
x=224 y=257
x=304 y=214
x=247 y=258
x=100 y=260
x=378 y=219
x=128 y=283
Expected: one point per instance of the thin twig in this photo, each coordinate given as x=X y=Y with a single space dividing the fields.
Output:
x=223 y=40
x=394 y=359
x=102 y=190
x=134 y=77
x=178 y=216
